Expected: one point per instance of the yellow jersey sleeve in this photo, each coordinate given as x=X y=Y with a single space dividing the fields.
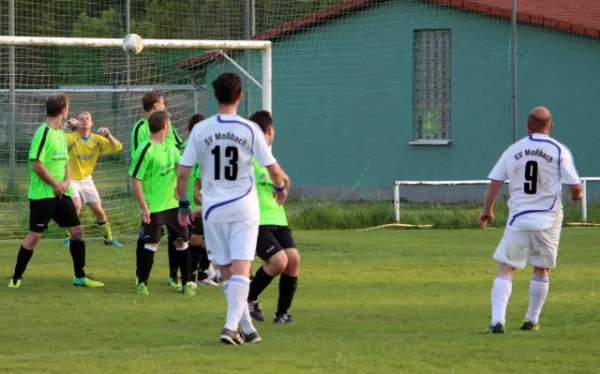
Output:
x=106 y=147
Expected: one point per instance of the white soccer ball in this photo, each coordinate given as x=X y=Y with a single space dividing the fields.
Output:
x=133 y=43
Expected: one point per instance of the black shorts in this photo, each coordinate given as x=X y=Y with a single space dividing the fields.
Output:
x=197 y=227
x=272 y=240
x=153 y=230
x=62 y=211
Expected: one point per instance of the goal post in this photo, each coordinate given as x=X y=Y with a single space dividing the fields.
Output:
x=470 y=200
x=100 y=77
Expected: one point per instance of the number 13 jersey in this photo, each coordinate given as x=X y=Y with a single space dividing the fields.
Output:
x=537 y=167
x=224 y=145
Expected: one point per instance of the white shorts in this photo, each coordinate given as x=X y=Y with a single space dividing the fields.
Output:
x=227 y=241
x=85 y=189
x=537 y=248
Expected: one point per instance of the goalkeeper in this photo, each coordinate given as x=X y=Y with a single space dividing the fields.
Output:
x=153 y=101
x=84 y=150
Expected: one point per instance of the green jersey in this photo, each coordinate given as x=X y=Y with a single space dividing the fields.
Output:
x=141 y=133
x=156 y=166
x=271 y=212
x=194 y=174
x=49 y=146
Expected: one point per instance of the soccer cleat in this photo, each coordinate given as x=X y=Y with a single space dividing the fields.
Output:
x=67 y=242
x=498 y=328
x=173 y=283
x=207 y=282
x=137 y=280
x=211 y=271
x=529 y=326
x=255 y=311
x=188 y=289
x=189 y=283
x=251 y=338
x=13 y=284
x=231 y=337
x=113 y=243
x=283 y=319
x=142 y=289
x=87 y=282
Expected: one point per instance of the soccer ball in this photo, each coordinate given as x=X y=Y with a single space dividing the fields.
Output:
x=133 y=43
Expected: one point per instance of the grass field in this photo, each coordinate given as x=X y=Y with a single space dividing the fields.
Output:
x=368 y=302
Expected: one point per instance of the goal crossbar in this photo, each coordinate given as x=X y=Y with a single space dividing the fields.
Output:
x=480 y=182
x=265 y=46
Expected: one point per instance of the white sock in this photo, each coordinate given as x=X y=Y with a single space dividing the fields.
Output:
x=237 y=300
x=538 y=290
x=500 y=294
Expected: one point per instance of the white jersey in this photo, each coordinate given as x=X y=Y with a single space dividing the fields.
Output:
x=224 y=145
x=537 y=167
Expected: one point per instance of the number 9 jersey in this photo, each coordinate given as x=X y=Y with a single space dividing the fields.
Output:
x=536 y=166
x=225 y=145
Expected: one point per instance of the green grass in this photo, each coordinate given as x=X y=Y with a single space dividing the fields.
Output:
x=375 y=302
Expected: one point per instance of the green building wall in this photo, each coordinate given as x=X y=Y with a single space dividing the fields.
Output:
x=343 y=96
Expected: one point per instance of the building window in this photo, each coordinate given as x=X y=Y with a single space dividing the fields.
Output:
x=432 y=86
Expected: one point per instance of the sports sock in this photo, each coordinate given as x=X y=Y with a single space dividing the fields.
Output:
x=138 y=251
x=538 y=291
x=23 y=258
x=146 y=263
x=204 y=262
x=77 y=248
x=500 y=294
x=195 y=251
x=237 y=296
x=105 y=230
x=260 y=281
x=183 y=260
x=173 y=263
x=287 y=289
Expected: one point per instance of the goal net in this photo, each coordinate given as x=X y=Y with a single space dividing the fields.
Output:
x=102 y=79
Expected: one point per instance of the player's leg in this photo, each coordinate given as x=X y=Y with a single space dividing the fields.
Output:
x=173 y=280
x=40 y=213
x=216 y=235
x=543 y=258
x=180 y=236
x=511 y=254
x=152 y=235
x=92 y=199
x=66 y=216
x=77 y=201
x=200 y=261
x=243 y=236
x=271 y=252
x=288 y=281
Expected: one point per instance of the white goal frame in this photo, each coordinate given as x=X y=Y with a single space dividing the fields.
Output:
x=482 y=182
x=219 y=45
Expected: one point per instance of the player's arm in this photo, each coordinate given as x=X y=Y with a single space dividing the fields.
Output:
x=186 y=163
x=498 y=176
x=109 y=143
x=264 y=156
x=137 y=171
x=570 y=176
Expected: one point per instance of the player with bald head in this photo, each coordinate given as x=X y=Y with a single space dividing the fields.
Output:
x=537 y=167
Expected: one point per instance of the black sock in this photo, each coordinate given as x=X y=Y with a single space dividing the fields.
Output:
x=77 y=248
x=138 y=251
x=183 y=259
x=195 y=252
x=173 y=263
x=146 y=262
x=287 y=289
x=23 y=258
x=260 y=281
x=204 y=262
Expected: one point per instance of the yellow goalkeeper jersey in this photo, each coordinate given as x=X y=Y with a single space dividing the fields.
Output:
x=83 y=155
